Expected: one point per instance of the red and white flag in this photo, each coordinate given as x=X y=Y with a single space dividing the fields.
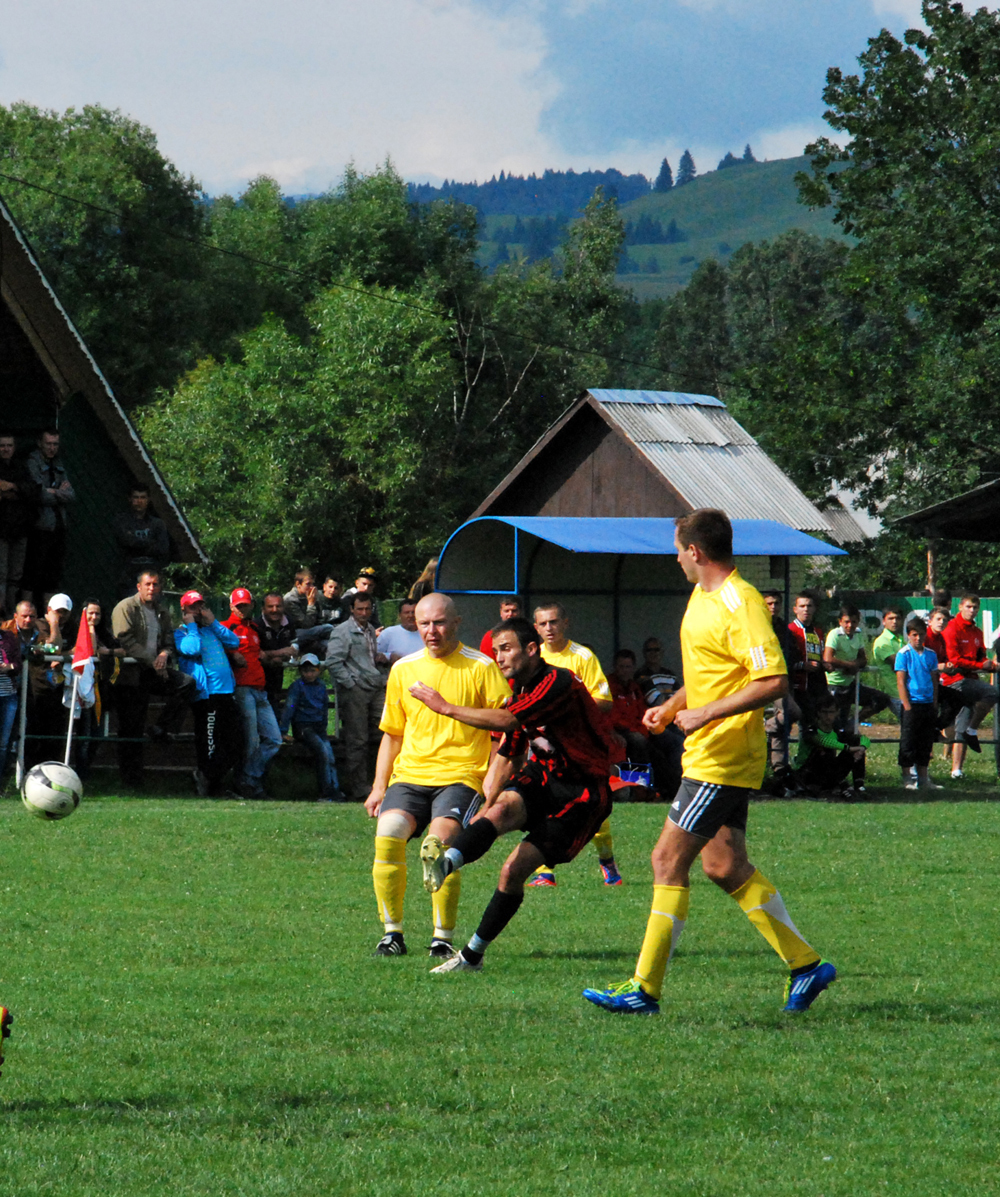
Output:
x=82 y=664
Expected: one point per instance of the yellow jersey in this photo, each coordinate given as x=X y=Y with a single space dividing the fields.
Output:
x=727 y=641
x=437 y=750
x=580 y=660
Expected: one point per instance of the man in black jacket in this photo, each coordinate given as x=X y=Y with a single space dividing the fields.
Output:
x=18 y=495
x=142 y=538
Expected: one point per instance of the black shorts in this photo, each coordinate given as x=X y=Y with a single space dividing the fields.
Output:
x=455 y=801
x=563 y=815
x=702 y=807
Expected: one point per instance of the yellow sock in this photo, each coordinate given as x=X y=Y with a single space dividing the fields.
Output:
x=663 y=933
x=603 y=842
x=762 y=905
x=389 y=875
x=445 y=906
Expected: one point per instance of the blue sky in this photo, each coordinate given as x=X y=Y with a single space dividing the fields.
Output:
x=447 y=88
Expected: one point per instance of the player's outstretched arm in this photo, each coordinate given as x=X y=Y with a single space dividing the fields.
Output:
x=487 y=718
x=388 y=750
x=658 y=718
x=757 y=693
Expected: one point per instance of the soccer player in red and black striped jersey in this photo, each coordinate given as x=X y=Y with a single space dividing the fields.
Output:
x=549 y=778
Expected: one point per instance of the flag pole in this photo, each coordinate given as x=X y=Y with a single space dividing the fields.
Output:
x=22 y=717
x=72 y=708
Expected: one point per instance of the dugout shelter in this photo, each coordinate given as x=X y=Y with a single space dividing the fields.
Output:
x=619 y=578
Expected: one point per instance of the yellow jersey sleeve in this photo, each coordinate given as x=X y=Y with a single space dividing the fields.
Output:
x=393 y=716
x=751 y=637
x=592 y=676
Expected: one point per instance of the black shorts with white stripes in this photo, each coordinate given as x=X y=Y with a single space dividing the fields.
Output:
x=702 y=807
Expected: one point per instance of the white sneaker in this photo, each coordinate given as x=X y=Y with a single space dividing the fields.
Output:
x=956 y=774
x=458 y=964
x=912 y=785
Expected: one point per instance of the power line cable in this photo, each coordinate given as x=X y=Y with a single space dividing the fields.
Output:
x=378 y=295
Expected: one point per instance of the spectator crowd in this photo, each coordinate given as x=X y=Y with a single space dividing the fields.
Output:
x=936 y=676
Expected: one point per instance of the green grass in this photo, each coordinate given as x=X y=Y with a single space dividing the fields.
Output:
x=197 y=1013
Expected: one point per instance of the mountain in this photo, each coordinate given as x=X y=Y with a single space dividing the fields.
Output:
x=555 y=193
x=715 y=214
x=674 y=230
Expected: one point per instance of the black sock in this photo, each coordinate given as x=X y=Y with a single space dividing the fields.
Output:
x=475 y=840
x=501 y=909
x=806 y=968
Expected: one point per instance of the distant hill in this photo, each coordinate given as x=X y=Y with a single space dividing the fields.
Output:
x=556 y=193
x=715 y=214
x=710 y=217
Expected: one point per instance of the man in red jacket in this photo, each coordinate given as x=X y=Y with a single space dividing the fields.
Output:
x=261 y=735
x=967 y=655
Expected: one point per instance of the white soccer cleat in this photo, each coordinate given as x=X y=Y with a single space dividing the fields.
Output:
x=458 y=964
x=432 y=859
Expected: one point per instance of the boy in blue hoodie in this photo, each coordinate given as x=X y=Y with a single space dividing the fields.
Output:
x=203 y=644
x=307 y=707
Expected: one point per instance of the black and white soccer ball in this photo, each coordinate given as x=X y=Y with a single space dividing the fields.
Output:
x=51 y=790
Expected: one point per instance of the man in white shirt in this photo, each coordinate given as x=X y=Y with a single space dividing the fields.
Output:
x=402 y=638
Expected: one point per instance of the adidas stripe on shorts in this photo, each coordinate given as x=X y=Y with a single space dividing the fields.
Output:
x=702 y=807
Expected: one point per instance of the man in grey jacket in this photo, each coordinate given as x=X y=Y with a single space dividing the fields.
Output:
x=47 y=538
x=145 y=631
x=358 y=670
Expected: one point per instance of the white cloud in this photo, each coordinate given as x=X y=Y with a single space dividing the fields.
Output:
x=789 y=141
x=296 y=90
x=908 y=9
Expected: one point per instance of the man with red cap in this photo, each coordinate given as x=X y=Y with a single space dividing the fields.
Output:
x=261 y=735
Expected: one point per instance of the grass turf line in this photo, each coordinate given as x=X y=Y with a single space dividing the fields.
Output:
x=197 y=1012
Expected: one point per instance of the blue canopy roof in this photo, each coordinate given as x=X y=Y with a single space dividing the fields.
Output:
x=751 y=538
x=680 y=398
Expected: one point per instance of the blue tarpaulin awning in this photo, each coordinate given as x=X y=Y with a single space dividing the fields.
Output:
x=751 y=538
x=620 y=576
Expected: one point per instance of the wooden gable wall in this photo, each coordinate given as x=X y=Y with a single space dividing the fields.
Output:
x=587 y=469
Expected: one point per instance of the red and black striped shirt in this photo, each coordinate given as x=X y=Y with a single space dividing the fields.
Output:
x=561 y=724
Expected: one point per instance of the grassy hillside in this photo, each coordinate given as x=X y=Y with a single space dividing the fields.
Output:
x=717 y=213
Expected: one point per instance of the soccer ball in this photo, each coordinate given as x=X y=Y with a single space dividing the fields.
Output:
x=51 y=790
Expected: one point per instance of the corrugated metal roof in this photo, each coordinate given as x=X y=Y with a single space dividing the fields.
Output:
x=674 y=398
x=712 y=461
x=679 y=425
x=844 y=528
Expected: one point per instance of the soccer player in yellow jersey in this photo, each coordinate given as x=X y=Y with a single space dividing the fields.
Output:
x=430 y=769
x=733 y=667
x=552 y=625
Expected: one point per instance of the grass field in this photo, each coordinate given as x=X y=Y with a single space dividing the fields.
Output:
x=197 y=1012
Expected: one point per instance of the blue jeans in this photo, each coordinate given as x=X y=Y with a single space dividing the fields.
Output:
x=314 y=736
x=261 y=737
x=8 y=713
x=311 y=639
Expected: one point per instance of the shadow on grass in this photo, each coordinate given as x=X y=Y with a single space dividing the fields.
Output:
x=257 y=1106
x=888 y=797
x=589 y=954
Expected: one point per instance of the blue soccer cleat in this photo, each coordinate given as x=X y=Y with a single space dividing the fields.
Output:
x=627 y=998
x=609 y=871
x=803 y=990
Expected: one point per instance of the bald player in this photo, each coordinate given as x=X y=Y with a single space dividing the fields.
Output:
x=430 y=769
x=552 y=626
